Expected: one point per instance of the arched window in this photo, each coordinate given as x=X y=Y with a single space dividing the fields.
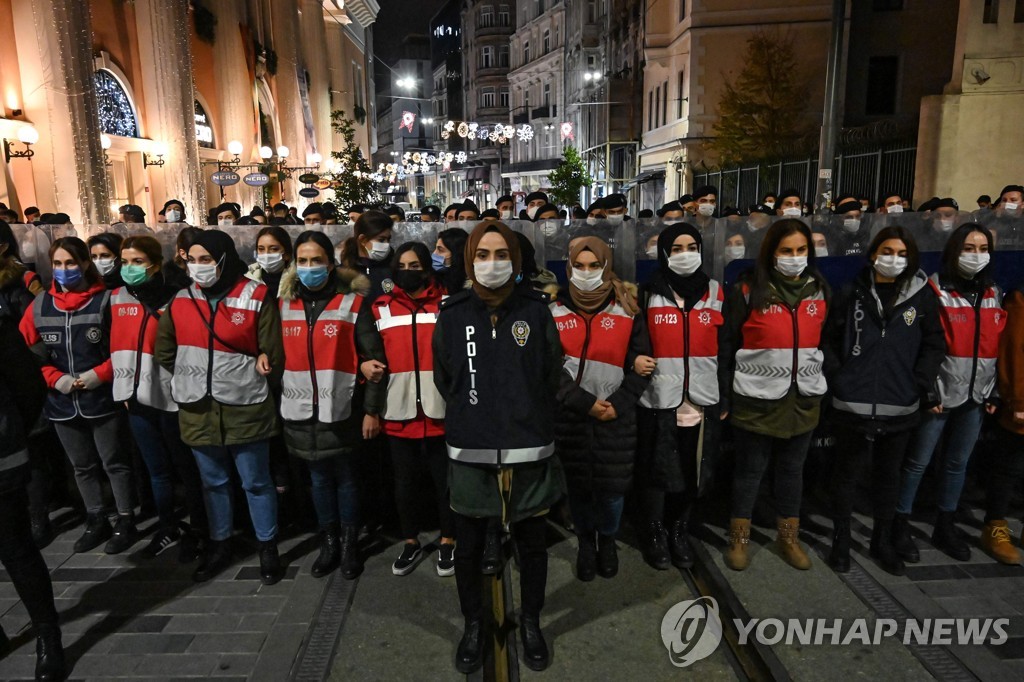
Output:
x=117 y=116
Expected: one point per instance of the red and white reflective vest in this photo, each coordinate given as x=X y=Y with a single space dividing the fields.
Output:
x=685 y=344
x=217 y=354
x=780 y=348
x=972 y=344
x=407 y=329
x=137 y=374
x=594 y=350
x=320 y=360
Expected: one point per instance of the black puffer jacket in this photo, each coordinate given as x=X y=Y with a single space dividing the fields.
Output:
x=22 y=393
x=598 y=456
x=15 y=297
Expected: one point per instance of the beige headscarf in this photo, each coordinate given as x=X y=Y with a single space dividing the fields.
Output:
x=592 y=301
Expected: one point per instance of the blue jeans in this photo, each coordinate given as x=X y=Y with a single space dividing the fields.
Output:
x=158 y=437
x=964 y=424
x=600 y=512
x=252 y=460
x=335 y=495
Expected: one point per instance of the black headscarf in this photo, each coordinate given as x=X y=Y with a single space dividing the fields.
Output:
x=155 y=292
x=692 y=287
x=222 y=248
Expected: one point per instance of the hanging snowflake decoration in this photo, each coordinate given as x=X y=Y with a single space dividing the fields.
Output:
x=448 y=156
x=473 y=127
x=509 y=131
x=566 y=131
x=525 y=132
x=493 y=136
x=460 y=157
x=445 y=134
x=463 y=129
x=449 y=126
x=431 y=160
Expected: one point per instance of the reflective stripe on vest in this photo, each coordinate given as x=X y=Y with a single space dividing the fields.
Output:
x=233 y=379
x=509 y=456
x=407 y=341
x=771 y=359
x=959 y=323
x=685 y=345
x=868 y=409
x=594 y=350
x=321 y=360
x=137 y=374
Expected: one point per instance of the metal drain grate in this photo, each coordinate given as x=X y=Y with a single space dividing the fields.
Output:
x=314 y=663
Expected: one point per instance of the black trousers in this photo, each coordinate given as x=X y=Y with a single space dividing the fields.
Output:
x=754 y=452
x=529 y=536
x=885 y=453
x=22 y=559
x=415 y=461
x=669 y=507
x=1006 y=469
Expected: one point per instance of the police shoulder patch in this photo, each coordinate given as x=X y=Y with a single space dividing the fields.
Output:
x=520 y=332
x=388 y=286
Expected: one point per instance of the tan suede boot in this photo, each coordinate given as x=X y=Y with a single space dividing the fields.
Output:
x=736 y=556
x=789 y=544
x=998 y=542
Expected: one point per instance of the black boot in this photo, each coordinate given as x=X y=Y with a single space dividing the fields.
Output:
x=586 y=557
x=883 y=549
x=839 y=556
x=490 y=563
x=470 y=654
x=330 y=552
x=351 y=559
x=901 y=540
x=97 y=531
x=947 y=537
x=192 y=546
x=124 y=535
x=49 y=654
x=535 y=649
x=607 y=556
x=679 y=545
x=655 y=546
x=270 y=563
x=216 y=558
x=42 y=531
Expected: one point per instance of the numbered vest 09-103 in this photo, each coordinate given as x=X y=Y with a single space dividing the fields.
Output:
x=321 y=360
x=594 y=350
x=217 y=352
x=137 y=374
x=685 y=345
x=972 y=344
x=407 y=335
x=780 y=348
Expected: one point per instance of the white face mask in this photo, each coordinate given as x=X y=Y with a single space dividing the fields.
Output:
x=225 y=221
x=770 y=204
x=205 y=275
x=684 y=263
x=791 y=266
x=890 y=266
x=615 y=218
x=792 y=212
x=172 y=215
x=851 y=225
x=271 y=262
x=652 y=252
x=593 y=221
x=506 y=215
x=821 y=251
x=379 y=250
x=671 y=221
x=895 y=208
x=973 y=263
x=105 y=265
x=734 y=253
x=945 y=224
x=1010 y=207
x=531 y=211
x=493 y=273
x=706 y=209
x=587 y=280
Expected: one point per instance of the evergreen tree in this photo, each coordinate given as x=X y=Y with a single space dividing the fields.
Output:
x=569 y=178
x=353 y=176
x=762 y=115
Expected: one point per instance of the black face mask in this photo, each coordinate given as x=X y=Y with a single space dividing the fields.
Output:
x=409 y=280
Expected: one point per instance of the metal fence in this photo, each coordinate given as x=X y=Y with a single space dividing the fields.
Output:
x=867 y=174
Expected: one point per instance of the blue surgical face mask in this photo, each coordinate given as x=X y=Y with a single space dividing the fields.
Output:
x=437 y=261
x=68 y=278
x=312 y=277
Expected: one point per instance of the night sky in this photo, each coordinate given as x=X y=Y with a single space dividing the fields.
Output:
x=399 y=18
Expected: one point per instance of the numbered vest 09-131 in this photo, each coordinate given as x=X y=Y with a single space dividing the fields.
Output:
x=137 y=374
x=321 y=360
x=407 y=335
x=217 y=351
x=685 y=345
x=594 y=350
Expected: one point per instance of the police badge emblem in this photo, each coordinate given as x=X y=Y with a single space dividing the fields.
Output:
x=521 y=332
x=909 y=315
x=388 y=286
x=94 y=335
